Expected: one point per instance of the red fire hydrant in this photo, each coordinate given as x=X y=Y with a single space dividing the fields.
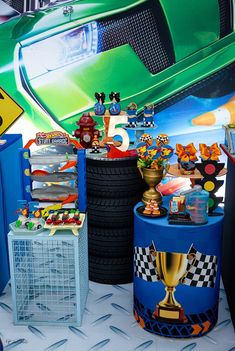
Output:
x=87 y=130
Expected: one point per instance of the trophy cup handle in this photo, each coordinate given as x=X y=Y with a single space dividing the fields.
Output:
x=191 y=257
x=141 y=172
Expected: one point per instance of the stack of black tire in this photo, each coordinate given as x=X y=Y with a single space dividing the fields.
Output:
x=114 y=186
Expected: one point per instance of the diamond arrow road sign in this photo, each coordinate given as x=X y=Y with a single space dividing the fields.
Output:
x=9 y=111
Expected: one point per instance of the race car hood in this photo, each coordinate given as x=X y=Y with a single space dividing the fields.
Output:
x=31 y=24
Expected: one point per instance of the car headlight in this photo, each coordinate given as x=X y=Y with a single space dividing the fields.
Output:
x=59 y=50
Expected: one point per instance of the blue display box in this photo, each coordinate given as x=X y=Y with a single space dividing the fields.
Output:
x=10 y=192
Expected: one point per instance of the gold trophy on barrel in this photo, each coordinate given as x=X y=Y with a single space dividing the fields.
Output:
x=171 y=268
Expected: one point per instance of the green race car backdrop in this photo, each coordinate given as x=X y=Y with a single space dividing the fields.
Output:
x=161 y=51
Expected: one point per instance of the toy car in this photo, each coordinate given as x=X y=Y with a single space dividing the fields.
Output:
x=28 y=223
x=149 y=49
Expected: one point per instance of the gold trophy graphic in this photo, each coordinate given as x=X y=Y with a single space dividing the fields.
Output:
x=171 y=268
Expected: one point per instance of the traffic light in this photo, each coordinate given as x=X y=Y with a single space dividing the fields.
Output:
x=210 y=170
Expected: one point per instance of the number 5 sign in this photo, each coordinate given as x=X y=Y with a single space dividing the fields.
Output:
x=112 y=131
x=9 y=111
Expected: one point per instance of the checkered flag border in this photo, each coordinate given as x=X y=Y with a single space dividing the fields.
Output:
x=144 y=263
x=202 y=273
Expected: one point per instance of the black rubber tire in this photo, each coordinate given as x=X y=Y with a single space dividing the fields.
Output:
x=105 y=170
x=113 y=178
x=114 y=188
x=111 y=213
x=111 y=270
x=111 y=166
x=105 y=242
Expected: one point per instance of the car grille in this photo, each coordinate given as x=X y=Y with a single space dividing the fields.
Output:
x=144 y=31
x=225 y=17
x=16 y=4
x=218 y=84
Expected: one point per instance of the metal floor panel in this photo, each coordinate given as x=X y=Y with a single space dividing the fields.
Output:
x=109 y=325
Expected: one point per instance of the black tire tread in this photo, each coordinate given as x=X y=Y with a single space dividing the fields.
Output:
x=117 y=234
x=110 y=270
x=110 y=203
x=112 y=163
x=109 y=247
x=111 y=213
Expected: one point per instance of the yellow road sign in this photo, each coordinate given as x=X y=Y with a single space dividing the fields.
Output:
x=9 y=111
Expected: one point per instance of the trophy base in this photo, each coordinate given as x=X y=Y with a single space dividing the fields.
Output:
x=170 y=315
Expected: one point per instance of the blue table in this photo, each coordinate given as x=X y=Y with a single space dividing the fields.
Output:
x=177 y=275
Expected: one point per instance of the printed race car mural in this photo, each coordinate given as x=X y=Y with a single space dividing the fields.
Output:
x=54 y=59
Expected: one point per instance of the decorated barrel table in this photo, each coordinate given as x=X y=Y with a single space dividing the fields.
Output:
x=176 y=275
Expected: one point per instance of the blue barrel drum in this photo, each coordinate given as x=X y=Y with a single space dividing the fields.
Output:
x=176 y=276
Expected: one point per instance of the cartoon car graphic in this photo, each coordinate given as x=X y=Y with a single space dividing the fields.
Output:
x=54 y=59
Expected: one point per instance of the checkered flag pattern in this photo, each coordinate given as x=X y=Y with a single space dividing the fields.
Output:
x=146 y=138
x=163 y=139
x=144 y=263
x=202 y=273
x=133 y=124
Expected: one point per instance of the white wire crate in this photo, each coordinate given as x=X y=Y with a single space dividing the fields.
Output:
x=49 y=277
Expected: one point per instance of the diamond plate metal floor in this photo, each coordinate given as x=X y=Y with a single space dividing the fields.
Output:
x=109 y=325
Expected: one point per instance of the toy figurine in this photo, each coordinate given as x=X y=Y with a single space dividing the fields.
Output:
x=95 y=145
x=115 y=107
x=86 y=130
x=148 y=119
x=131 y=111
x=99 y=107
